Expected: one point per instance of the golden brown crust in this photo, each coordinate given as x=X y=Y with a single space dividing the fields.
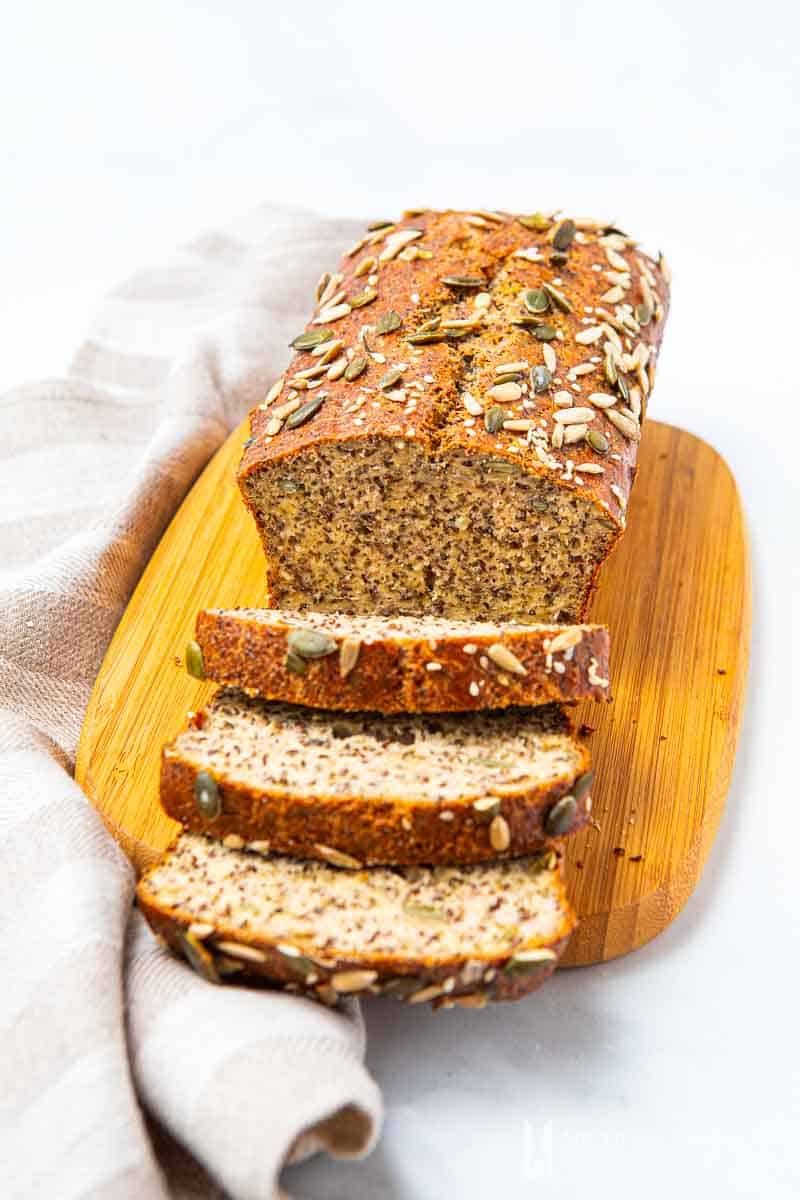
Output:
x=478 y=979
x=604 y=272
x=377 y=830
x=394 y=674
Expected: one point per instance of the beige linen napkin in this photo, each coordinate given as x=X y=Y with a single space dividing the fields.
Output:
x=93 y=1013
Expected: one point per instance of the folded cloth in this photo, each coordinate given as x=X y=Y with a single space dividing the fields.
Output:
x=96 y=1018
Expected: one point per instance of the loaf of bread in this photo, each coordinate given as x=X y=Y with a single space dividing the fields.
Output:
x=457 y=433
x=449 y=935
x=363 y=788
x=398 y=664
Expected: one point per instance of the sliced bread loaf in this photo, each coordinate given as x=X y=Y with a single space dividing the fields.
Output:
x=365 y=788
x=399 y=664
x=451 y=935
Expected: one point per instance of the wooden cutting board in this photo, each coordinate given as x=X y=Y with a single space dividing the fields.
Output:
x=676 y=595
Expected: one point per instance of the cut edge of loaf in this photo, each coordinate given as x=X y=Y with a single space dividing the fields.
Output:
x=509 y=813
x=402 y=664
x=222 y=939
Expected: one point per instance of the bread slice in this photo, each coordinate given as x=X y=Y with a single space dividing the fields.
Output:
x=364 y=788
x=451 y=935
x=399 y=664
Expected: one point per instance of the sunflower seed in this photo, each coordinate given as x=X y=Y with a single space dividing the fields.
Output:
x=505 y=393
x=563 y=399
x=562 y=238
x=464 y=281
x=194 y=661
x=348 y=655
x=233 y=841
x=511 y=368
x=573 y=416
x=396 y=241
x=334 y=313
x=338 y=858
x=487 y=805
x=625 y=424
x=643 y=313
x=521 y=425
x=598 y=441
x=304 y=413
x=310 y=643
x=528 y=961
x=499 y=834
x=206 y=796
x=587 y=337
x=274 y=391
x=560 y=817
x=537 y=300
x=550 y=358
x=365 y=266
x=574 y=434
x=558 y=299
x=635 y=401
x=246 y=953
x=502 y=657
x=389 y=322
x=557 y=437
x=602 y=399
x=473 y=406
x=541 y=378
x=375 y=225
x=352 y=981
x=314 y=337
x=494 y=419
x=284 y=410
x=615 y=260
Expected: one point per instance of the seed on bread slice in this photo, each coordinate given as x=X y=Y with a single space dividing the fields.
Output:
x=364 y=788
x=399 y=664
x=450 y=935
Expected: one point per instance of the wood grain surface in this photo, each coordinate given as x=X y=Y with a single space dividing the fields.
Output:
x=676 y=595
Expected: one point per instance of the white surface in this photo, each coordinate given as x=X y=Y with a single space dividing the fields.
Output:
x=127 y=129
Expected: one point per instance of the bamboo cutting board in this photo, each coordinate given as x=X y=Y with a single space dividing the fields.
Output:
x=676 y=595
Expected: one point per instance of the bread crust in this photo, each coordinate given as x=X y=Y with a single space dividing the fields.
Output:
x=460 y=246
x=394 y=674
x=273 y=969
x=375 y=830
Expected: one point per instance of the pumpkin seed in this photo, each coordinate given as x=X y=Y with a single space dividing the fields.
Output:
x=198 y=957
x=357 y=367
x=194 y=661
x=501 y=466
x=562 y=238
x=429 y=326
x=464 y=281
x=206 y=796
x=558 y=298
x=307 y=341
x=304 y=413
x=295 y=961
x=427 y=338
x=582 y=785
x=541 y=379
x=375 y=225
x=423 y=912
x=544 y=333
x=310 y=643
x=528 y=961
x=402 y=986
x=559 y=259
x=389 y=322
x=390 y=378
x=622 y=388
x=537 y=300
x=643 y=313
x=610 y=369
x=288 y=486
x=560 y=816
x=365 y=297
x=598 y=441
x=535 y=220
x=494 y=419
x=295 y=664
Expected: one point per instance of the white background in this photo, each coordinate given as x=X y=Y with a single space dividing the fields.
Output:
x=128 y=128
